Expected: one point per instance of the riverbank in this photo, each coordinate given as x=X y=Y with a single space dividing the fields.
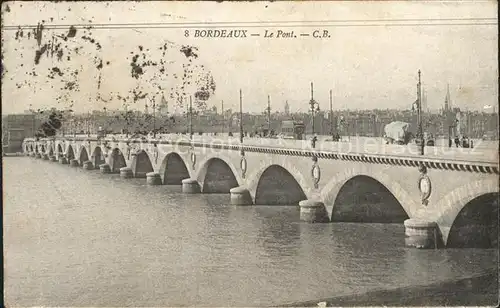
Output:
x=479 y=290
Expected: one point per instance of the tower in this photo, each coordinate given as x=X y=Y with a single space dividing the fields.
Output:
x=287 y=108
x=447 y=101
x=163 y=106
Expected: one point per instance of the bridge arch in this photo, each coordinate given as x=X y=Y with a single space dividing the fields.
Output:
x=463 y=207
x=51 y=150
x=217 y=175
x=42 y=149
x=84 y=156
x=97 y=157
x=116 y=160
x=277 y=186
x=476 y=225
x=253 y=179
x=141 y=164
x=173 y=169
x=364 y=199
x=331 y=190
x=69 y=153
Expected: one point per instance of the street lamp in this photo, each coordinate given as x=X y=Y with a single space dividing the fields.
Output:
x=268 y=115
x=241 y=118
x=331 y=117
x=419 y=116
x=154 y=118
x=314 y=107
x=190 y=117
x=223 y=117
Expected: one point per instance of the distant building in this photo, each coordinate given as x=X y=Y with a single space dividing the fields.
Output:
x=16 y=127
x=163 y=108
x=287 y=108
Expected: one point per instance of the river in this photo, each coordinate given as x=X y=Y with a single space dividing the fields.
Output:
x=79 y=238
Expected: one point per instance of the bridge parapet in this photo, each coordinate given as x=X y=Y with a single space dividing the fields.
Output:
x=484 y=161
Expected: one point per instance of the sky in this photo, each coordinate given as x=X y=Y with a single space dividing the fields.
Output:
x=370 y=59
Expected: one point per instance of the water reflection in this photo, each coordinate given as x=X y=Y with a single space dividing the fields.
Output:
x=278 y=231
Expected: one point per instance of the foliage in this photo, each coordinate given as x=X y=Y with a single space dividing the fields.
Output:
x=51 y=125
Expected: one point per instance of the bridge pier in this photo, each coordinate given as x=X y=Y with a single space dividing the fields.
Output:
x=73 y=163
x=38 y=155
x=190 y=186
x=152 y=178
x=63 y=160
x=87 y=165
x=126 y=173
x=105 y=168
x=421 y=234
x=240 y=196
x=313 y=211
x=45 y=157
x=53 y=158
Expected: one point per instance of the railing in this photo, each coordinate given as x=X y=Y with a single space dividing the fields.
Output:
x=330 y=150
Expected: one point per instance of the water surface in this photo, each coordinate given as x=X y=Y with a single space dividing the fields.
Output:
x=79 y=238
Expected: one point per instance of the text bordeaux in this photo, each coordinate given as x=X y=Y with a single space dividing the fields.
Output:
x=221 y=33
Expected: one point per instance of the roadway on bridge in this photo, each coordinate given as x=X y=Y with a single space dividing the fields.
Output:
x=483 y=151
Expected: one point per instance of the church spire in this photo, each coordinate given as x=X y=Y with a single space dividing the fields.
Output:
x=447 y=101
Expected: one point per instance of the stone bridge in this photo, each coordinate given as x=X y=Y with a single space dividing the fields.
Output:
x=437 y=198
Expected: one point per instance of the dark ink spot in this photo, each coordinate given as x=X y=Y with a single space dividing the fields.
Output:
x=57 y=71
x=189 y=51
x=72 y=31
x=39 y=53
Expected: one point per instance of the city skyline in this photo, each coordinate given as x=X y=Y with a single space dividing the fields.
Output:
x=377 y=69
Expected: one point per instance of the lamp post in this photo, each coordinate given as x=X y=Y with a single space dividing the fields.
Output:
x=190 y=117
x=241 y=118
x=419 y=116
x=127 y=120
x=154 y=118
x=314 y=106
x=331 y=116
x=223 y=116
x=72 y=121
x=268 y=115
x=88 y=124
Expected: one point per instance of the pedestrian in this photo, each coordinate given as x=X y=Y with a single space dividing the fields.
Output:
x=313 y=141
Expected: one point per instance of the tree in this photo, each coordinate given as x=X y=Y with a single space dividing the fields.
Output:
x=51 y=125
